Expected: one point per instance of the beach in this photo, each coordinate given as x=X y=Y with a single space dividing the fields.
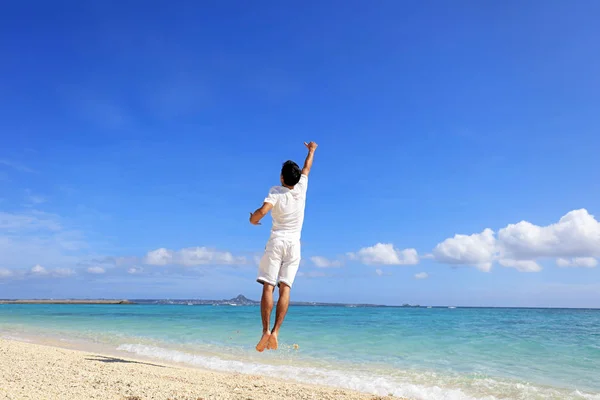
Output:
x=34 y=371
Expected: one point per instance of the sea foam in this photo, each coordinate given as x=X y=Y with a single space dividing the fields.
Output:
x=357 y=380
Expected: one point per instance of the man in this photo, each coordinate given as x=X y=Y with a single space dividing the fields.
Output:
x=281 y=259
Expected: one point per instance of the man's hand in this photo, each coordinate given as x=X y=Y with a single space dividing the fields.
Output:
x=259 y=214
x=311 y=146
x=254 y=222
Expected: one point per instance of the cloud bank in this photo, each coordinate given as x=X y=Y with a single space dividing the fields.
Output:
x=574 y=240
x=192 y=256
x=385 y=254
x=323 y=262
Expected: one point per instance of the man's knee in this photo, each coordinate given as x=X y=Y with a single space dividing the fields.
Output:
x=284 y=288
x=267 y=287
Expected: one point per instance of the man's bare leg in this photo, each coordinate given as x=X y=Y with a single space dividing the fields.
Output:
x=266 y=306
x=282 y=307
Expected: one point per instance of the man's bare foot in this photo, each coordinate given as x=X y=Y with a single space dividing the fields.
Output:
x=272 y=343
x=262 y=344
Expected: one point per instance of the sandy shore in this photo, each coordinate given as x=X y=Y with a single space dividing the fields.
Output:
x=33 y=371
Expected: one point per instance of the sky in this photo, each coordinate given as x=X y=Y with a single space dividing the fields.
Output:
x=457 y=162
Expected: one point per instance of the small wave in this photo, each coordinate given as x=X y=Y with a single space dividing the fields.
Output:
x=413 y=385
x=378 y=385
x=16 y=338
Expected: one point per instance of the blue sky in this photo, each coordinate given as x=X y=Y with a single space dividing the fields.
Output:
x=131 y=127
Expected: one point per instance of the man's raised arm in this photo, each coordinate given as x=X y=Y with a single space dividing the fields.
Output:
x=312 y=146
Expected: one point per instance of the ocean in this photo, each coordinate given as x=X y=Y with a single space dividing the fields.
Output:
x=419 y=353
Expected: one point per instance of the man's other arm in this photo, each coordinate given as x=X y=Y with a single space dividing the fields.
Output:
x=260 y=213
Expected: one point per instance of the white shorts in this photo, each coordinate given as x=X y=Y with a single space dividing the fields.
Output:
x=280 y=262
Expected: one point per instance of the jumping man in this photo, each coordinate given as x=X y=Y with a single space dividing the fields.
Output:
x=280 y=262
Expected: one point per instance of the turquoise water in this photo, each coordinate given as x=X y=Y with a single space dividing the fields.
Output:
x=420 y=353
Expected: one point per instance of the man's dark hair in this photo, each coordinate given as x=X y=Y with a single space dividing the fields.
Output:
x=291 y=173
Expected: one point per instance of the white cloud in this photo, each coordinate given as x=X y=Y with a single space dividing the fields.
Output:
x=422 y=275
x=96 y=270
x=586 y=262
x=323 y=262
x=160 y=256
x=135 y=270
x=192 y=256
x=477 y=249
x=574 y=239
x=379 y=272
x=63 y=272
x=202 y=255
x=563 y=262
x=521 y=265
x=5 y=273
x=38 y=270
x=576 y=234
x=385 y=254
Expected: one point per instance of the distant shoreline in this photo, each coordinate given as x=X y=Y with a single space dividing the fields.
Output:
x=65 y=301
x=243 y=301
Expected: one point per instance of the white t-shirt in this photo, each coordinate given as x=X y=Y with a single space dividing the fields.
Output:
x=288 y=209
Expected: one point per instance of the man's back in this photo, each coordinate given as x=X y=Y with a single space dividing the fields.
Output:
x=288 y=209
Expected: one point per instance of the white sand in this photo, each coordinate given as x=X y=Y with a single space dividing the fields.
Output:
x=40 y=372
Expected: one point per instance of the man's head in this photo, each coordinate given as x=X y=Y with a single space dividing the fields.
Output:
x=290 y=173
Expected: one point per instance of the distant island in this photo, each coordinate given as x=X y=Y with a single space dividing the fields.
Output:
x=240 y=300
